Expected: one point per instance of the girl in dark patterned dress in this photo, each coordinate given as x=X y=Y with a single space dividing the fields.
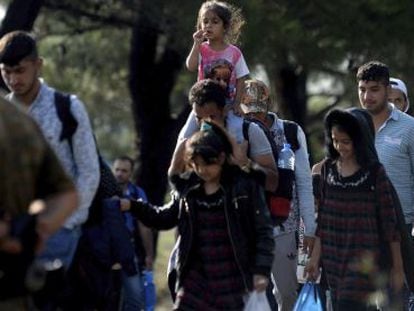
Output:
x=356 y=216
x=224 y=246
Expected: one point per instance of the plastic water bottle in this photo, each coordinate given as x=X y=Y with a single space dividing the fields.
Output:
x=286 y=158
x=280 y=202
x=149 y=288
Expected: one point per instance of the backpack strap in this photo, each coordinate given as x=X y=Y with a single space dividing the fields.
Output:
x=69 y=123
x=266 y=131
x=291 y=133
x=246 y=124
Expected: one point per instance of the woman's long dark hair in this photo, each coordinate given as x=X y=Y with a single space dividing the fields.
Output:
x=357 y=123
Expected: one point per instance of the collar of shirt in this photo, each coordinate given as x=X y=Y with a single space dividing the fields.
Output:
x=394 y=115
x=44 y=93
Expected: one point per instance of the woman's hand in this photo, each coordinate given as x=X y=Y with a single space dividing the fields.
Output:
x=260 y=282
x=311 y=271
x=397 y=279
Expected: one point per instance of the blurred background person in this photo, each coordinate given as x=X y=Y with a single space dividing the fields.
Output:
x=36 y=198
x=398 y=95
x=133 y=297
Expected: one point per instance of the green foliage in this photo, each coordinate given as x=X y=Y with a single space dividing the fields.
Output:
x=73 y=64
x=88 y=43
x=322 y=34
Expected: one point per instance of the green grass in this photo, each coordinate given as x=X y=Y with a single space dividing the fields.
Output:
x=166 y=240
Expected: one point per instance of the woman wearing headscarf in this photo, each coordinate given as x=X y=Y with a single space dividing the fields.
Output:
x=357 y=241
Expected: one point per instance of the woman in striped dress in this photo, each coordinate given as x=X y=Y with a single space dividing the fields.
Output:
x=356 y=216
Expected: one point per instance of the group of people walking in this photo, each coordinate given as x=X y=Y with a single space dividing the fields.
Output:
x=228 y=187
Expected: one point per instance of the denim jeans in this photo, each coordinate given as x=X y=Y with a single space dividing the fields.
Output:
x=62 y=245
x=132 y=298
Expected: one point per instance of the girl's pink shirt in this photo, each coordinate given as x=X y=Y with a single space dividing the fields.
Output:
x=231 y=57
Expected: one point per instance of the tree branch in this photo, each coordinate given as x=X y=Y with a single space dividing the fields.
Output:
x=112 y=19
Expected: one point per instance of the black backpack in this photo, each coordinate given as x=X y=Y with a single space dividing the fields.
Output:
x=279 y=200
x=108 y=186
x=290 y=129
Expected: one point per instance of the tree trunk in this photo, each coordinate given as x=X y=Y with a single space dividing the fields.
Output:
x=151 y=82
x=20 y=15
x=291 y=88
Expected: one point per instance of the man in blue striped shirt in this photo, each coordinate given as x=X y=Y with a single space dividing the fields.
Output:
x=394 y=138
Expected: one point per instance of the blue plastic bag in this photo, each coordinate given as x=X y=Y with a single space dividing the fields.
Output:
x=309 y=299
x=149 y=290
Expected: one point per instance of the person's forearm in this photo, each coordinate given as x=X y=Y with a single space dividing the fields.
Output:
x=271 y=176
x=192 y=58
x=177 y=165
x=272 y=179
x=397 y=270
x=239 y=90
x=147 y=242
x=57 y=210
x=304 y=187
x=270 y=170
x=397 y=262
x=316 y=252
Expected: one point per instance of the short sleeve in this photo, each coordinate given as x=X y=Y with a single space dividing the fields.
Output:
x=241 y=68
x=259 y=144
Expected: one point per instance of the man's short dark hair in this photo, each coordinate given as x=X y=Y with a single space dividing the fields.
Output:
x=16 y=46
x=126 y=159
x=374 y=71
x=206 y=91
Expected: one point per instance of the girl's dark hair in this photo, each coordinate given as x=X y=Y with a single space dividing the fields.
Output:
x=209 y=143
x=357 y=123
x=231 y=16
